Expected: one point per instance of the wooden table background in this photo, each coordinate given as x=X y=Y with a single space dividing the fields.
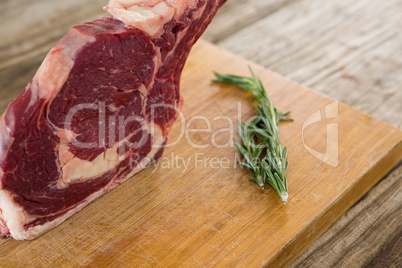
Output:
x=348 y=50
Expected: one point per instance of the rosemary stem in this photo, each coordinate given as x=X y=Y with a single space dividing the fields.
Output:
x=284 y=196
x=261 y=135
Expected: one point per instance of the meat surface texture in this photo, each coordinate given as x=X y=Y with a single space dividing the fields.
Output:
x=98 y=111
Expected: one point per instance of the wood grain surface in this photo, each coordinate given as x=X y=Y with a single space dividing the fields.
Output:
x=349 y=50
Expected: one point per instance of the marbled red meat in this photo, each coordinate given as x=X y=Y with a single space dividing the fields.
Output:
x=98 y=110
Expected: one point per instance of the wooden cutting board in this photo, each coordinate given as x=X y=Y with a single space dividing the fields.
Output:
x=206 y=212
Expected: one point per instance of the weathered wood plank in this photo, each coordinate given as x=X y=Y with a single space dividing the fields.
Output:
x=237 y=14
x=390 y=254
x=359 y=235
x=348 y=50
x=33 y=27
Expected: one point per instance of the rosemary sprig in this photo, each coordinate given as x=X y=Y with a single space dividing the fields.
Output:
x=258 y=142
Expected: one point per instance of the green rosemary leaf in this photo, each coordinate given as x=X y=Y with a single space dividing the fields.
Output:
x=258 y=144
x=245 y=165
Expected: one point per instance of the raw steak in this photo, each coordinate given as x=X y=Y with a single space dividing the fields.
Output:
x=98 y=110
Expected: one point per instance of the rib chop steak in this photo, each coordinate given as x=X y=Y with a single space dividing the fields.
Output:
x=98 y=111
